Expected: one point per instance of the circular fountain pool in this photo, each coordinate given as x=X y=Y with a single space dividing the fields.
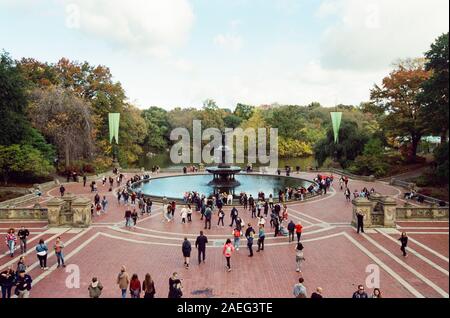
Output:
x=174 y=187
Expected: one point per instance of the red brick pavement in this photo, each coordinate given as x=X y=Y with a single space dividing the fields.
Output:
x=335 y=262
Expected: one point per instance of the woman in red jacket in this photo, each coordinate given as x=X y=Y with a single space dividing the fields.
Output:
x=135 y=286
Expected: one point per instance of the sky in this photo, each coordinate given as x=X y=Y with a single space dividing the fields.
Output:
x=178 y=53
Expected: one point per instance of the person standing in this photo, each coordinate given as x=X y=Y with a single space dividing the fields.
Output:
x=148 y=286
x=291 y=230
x=41 y=251
x=135 y=287
x=186 y=248
x=95 y=288
x=228 y=249
x=58 y=247
x=300 y=289
x=360 y=293
x=249 y=235
x=7 y=280
x=299 y=257
x=21 y=266
x=298 y=231
x=200 y=244
x=404 y=243
x=360 y=222
x=175 y=287
x=11 y=241
x=84 y=180
x=376 y=293
x=23 y=236
x=123 y=280
x=261 y=238
x=23 y=285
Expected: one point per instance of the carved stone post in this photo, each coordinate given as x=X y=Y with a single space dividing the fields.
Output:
x=54 y=206
x=390 y=211
x=81 y=209
x=365 y=207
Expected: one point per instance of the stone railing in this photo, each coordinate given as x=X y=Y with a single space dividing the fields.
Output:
x=432 y=212
x=411 y=185
x=23 y=214
x=18 y=201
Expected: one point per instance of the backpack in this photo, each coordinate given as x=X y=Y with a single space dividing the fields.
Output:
x=237 y=233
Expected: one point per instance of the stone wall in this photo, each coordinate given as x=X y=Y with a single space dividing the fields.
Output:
x=23 y=213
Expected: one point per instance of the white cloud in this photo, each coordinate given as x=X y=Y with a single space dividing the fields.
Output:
x=372 y=34
x=232 y=42
x=147 y=26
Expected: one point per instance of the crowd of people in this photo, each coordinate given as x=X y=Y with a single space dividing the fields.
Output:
x=19 y=279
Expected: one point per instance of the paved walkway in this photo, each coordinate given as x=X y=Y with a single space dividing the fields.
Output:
x=337 y=259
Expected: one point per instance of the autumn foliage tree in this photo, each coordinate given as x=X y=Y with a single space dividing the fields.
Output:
x=405 y=117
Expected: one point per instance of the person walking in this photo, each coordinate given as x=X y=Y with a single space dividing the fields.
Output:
x=200 y=244
x=95 y=288
x=189 y=213
x=376 y=293
x=300 y=289
x=134 y=217
x=148 y=286
x=318 y=293
x=236 y=238
x=404 y=243
x=228 y=250
x=175 y=286
x=128 y=218
x=249 y=235
x=62 y=189
x=41 y=251
x=291 y=231
x=23 y=285
x=58 y=248
x=360 y=293
x=123 y=280
x=21 y=266
x=299 y=257
x=233 y=215
x=184 y=214
x=298 y=231
x=7 y=281
x=186 y=249
x=135 y=287
x=360 y=222
x=261 y=238
x=221 y=217
x=11 y=241
x=23 y=237
x=104 y=204
x=208 y=216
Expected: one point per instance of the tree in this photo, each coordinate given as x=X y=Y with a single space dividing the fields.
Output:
x=13 y=102
x=232 y=121
x=435 y=89
x=132 y=134
x=65 y=119
x=22 y=159
x=244 y=111
x=351 y=145
x=406 y=116
x=157 y=128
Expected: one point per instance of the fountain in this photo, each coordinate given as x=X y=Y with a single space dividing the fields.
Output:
x=223 y=174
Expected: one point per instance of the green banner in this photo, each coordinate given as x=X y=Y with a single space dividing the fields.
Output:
x=336 y=118
x=114 y=121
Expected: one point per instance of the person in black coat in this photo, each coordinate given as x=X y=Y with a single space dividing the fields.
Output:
x=404 y=241
x=291 y=229
x=360 y=222
x=200 y=244
x=7 y=281
x=186 y=248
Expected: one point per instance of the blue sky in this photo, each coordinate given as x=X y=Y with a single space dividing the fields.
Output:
x=180 y=52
